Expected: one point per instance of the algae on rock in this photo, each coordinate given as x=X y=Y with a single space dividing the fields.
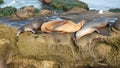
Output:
x=65 y=5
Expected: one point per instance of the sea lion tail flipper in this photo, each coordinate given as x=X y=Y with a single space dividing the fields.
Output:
x=104 y=31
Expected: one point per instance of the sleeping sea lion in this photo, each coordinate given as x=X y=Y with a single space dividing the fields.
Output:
x=64 y=26
x=70 y=27
x=94 y=25
x=33 y=27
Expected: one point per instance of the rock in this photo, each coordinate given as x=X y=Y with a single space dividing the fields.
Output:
x=46 y=12
x=64 y=5
x=30 y=9
x=115 y=10
x=3 y=50
x=49 y=64
x=87 y=15
x=56 y=50
x=47 y=2
x=25 y=13
x=75 y=10
x=43 y=47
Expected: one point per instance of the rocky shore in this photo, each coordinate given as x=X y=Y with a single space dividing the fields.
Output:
x=56 y=50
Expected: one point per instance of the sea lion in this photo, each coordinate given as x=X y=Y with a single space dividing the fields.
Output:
x=70 y=27
x=50 y=25
x=64 y=26
x=94 y=25
x=33 y=27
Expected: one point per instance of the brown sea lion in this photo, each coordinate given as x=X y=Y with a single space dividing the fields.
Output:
x=65 y=26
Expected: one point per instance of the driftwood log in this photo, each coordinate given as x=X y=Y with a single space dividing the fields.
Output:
x=59 y=50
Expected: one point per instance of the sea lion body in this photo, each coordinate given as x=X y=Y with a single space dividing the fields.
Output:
x=50 y=25
x=70 y=27
x=64 y=26
x=94 y=25
x=33 y=27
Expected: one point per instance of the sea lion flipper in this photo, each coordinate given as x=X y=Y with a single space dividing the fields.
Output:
x=18 y=33
x=33 y=31
x=59 y=23
x=104 y=31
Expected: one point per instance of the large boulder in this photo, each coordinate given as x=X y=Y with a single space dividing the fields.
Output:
x=64 y=4
x=75 y=10
x=24 y=13
x=45 y=12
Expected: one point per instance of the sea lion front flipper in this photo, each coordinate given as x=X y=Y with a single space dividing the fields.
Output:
x=104 y=31
x=59 y=23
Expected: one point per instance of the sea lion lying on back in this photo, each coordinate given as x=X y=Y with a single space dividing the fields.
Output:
x=94 y=25
x=64 y=26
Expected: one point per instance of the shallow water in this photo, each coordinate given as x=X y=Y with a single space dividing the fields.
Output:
x=102 y=4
